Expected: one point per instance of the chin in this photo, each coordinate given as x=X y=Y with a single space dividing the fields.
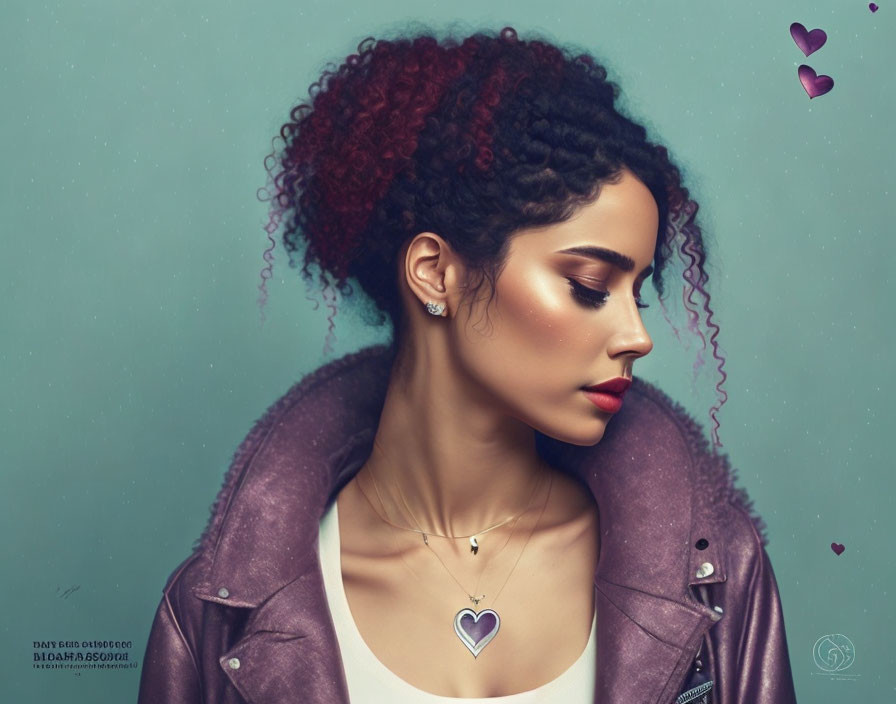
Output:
x=588 y=435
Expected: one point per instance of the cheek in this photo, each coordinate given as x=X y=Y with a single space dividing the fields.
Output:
x=533 y=340
x=531 y=353
x=541 y=314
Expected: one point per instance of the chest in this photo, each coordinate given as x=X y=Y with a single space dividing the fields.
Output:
x=405 y=601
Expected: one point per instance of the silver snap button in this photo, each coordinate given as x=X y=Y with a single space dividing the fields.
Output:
x=705 y=570
x=223 y=593
x=234 y=663
x=719 y=609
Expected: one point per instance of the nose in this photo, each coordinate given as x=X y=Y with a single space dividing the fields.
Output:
x=631 y=338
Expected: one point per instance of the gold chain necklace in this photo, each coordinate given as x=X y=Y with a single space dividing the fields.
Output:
x=475 y=629
x=481 y=597
x=473 y=537
x=472 y=596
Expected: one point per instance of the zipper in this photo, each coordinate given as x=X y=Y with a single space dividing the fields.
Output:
x=693 y=694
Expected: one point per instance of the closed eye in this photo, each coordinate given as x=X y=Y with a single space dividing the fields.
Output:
x=595 y=298
x=587 y=296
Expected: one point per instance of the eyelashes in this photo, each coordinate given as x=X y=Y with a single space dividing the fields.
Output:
x=589 y=296
x=595 y=298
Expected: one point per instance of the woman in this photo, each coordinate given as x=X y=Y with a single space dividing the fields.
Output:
x=455 y=515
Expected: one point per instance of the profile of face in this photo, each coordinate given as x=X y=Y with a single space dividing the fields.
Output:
x=565 y=315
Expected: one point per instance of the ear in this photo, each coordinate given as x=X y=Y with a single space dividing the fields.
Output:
x=433 y=271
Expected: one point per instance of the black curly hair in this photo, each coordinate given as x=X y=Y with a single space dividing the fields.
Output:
x=472 y=138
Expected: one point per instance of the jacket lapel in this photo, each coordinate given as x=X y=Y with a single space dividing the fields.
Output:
x=289 y=652
x=642 y=474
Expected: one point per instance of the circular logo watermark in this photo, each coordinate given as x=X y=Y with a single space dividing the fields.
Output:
x=833 y=652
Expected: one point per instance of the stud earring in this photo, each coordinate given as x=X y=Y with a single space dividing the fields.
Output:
x=435 y=308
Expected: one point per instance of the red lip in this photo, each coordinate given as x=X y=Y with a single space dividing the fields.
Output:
x=619 y=385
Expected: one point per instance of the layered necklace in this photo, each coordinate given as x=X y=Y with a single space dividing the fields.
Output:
x=475 y=629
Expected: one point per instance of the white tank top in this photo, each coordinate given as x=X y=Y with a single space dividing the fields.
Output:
x=371 y=682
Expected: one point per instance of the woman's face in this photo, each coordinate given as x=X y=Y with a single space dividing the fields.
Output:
x=563 y=320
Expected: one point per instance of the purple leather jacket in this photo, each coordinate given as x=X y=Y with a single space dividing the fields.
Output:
x=687 y=604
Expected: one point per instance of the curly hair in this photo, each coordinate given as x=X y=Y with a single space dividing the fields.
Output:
x=473 y=139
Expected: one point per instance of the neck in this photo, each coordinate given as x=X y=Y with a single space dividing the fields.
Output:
x=447 y=462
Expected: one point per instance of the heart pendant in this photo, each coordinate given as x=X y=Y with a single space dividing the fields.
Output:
x=476 y=630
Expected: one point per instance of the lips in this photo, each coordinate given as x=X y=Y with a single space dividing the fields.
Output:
x=619 y=385
x=608 y=395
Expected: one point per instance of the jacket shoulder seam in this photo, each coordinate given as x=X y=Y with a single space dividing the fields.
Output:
x=174 y=578
x=755 y=537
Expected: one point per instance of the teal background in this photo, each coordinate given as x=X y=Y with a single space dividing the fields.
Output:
x=134 y=359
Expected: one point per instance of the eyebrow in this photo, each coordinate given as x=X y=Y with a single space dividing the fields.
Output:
x=608 y=255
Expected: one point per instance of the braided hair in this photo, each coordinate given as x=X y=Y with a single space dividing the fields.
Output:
x=473 y=139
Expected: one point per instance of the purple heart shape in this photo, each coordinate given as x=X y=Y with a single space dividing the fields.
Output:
x=838 y=548
x=813 y=84
x=807 y=41
x=476 y=630
x=872 y=7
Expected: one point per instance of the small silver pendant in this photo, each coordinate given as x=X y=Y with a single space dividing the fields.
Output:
x=474 y=546
x=476 y=630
